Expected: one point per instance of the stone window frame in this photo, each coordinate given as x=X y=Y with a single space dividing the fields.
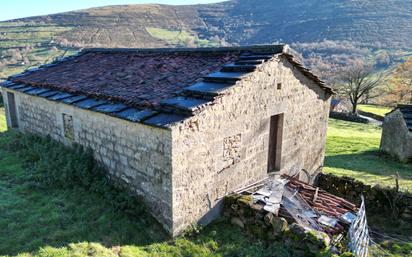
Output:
x=68 y=127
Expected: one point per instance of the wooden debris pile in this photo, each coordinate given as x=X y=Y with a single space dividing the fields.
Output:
x=328 y=209
x=303 y=216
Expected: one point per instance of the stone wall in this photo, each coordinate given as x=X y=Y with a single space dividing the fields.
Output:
x=377 y=199
x=347 y=116
x=204 y=169
x=396 y=139
x=135 y=154
x=240 y=211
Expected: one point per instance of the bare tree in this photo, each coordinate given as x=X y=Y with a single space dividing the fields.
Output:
x=358 y=82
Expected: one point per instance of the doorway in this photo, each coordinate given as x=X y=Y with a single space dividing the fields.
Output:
x=14 y=122
x=275 y=143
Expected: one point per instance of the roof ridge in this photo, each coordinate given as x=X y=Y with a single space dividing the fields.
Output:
x=273 y=49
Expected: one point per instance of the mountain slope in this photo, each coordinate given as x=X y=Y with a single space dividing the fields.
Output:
x=375 y=23
x=335 y=29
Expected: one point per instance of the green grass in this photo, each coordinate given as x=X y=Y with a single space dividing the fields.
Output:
x=375 y=109
x=352 y=149
x=178 y=37
x=3 y=125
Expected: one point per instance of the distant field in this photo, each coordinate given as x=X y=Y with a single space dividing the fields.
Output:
x=352 y=149
x=379 y=110
x=23 y=45
x=179 y=37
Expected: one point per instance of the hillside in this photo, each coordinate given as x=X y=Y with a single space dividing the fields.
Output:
x=336 y=27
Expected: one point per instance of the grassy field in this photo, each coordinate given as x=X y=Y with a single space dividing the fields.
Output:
x=73 y=221
x=378 y=110
x=352 y=149
x=179 y=37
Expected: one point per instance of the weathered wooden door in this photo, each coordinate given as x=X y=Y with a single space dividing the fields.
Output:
x=14 y=121
x=275 y=143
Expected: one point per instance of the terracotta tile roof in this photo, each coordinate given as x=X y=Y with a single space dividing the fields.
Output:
x=157 y=87
x=134 y=78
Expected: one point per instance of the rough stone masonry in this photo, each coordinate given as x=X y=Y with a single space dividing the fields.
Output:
x=259 y=114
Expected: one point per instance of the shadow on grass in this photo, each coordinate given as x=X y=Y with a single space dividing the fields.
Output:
x=33 y=217
x=369 y=163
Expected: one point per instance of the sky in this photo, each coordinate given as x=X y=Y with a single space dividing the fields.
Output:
x=12 y=9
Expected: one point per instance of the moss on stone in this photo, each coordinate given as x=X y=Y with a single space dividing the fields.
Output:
x=245 y=200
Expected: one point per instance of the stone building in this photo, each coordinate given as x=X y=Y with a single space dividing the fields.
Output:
x=397 y=133
x=180 y=127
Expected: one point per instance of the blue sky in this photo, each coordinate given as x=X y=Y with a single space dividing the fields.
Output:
x=11 y=9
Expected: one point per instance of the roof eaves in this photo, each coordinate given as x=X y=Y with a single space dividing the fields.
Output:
x=116 y=109
x=290 y=55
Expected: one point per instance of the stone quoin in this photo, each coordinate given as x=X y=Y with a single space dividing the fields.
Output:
x=180 y=127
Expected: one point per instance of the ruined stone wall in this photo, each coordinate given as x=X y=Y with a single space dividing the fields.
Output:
x=135 y=154
x=382 y=200
x=226 y=146
x=396 y=139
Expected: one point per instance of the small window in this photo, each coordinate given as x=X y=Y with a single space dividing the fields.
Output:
x=279 y=86
x=68 y=126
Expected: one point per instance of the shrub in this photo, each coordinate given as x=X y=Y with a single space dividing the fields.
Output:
x=52 y=164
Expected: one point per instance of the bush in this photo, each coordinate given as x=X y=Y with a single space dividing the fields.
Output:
x=52 y=164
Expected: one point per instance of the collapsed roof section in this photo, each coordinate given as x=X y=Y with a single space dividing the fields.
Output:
x=157 y=87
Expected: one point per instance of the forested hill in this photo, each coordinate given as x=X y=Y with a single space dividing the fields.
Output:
x=335 y=27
